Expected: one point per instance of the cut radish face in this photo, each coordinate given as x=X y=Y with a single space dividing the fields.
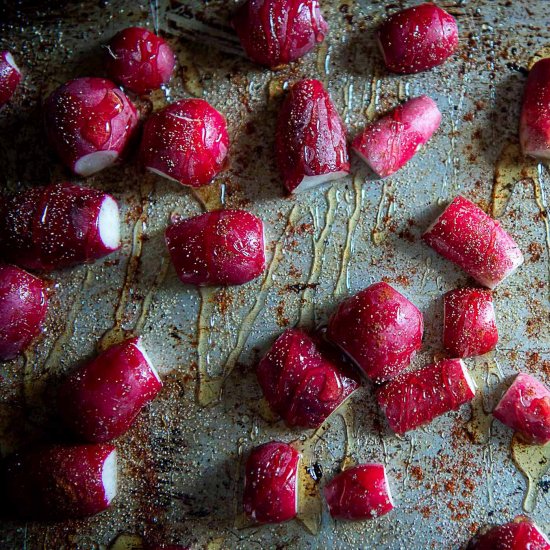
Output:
x=58 y=226
x=270 y=483
x=10 y=76
x=359 y=493
x=520 y=534
x=525 y=408
x=89 y=122
x=474 y=241
x=23 y=305
x=416 y=398
x=311 y=138
x=102 y=399
x=389 y=143
x=379 y=329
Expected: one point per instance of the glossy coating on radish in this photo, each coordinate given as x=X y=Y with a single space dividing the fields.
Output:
x=276 y=32
x=186 y=141
x=89 y=123
x=300 y=382
x=534 y=129
x=58 y=226
x=222 y=247
x=389 y=143
x=417 y=38
x=359 y=493
x=10 y=76
x=417 y=397
x=310 y=144
x=139 y=60
x=101 y=400
x=23 y=306
x=62 y=482
x=525 y=408
x=379 y=329
x=469 y=324
x=270 y=483
x=475 y=242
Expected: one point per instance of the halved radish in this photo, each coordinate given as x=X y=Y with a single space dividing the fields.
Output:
x=520 y=534
x=10 y=76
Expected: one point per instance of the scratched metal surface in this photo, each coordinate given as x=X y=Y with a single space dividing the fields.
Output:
x=181 y=464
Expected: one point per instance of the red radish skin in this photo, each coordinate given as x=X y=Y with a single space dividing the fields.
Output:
x=469 y=324
x=270 y=483
x=525 y=408
x=101 y=400
x=389 y=143
x=139 y=60
x=417 y=39
x=534 y=129
x=311 y=144
x=23 y=306
x=415 y=398
x=222 y=247
x=58 y=226
x=300 y=383
x=379 y=329
x=10 y=77
x=475 y=242
x=359 y=493
x=62 y=482
x=520 y=534
x=89 y=123
x=186 y=142
x=276 y=32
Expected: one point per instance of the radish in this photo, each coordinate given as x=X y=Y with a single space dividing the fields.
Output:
x=101 y=400
x=89 y=123
x=525 y=408
x=417 y=397
x=10 y=76
x=139 y=60
x=379 y=329
x=534 y=130
x=61 y=482
x=276 y=32
x=417 y=39
x=300 y=383
x=58 y=226
x=361 y=492
x=389 y=143
x=222 y=247
x=310 y=139
x=270 y=483
x=186 y=142
x=474 y=241
x=23 y=305
x=469 y=324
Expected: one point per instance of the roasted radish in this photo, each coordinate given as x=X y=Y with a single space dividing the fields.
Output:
x=379 y=329
x=469 y=324
x=417 y=39
x=525 y=408
x=311 y=138
x=361 y=492
x=58 y=226
x=10 y=76
x=389 y=143
x=89 y=122
x=186 y=142
x=23 y=305
x=222 y=247
x=270 y=483
x=474 y=241
x=417 y=397
x=61 y=482
x=101 y=400
x=276 y=32
x=139 y=60
x=300 y=383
